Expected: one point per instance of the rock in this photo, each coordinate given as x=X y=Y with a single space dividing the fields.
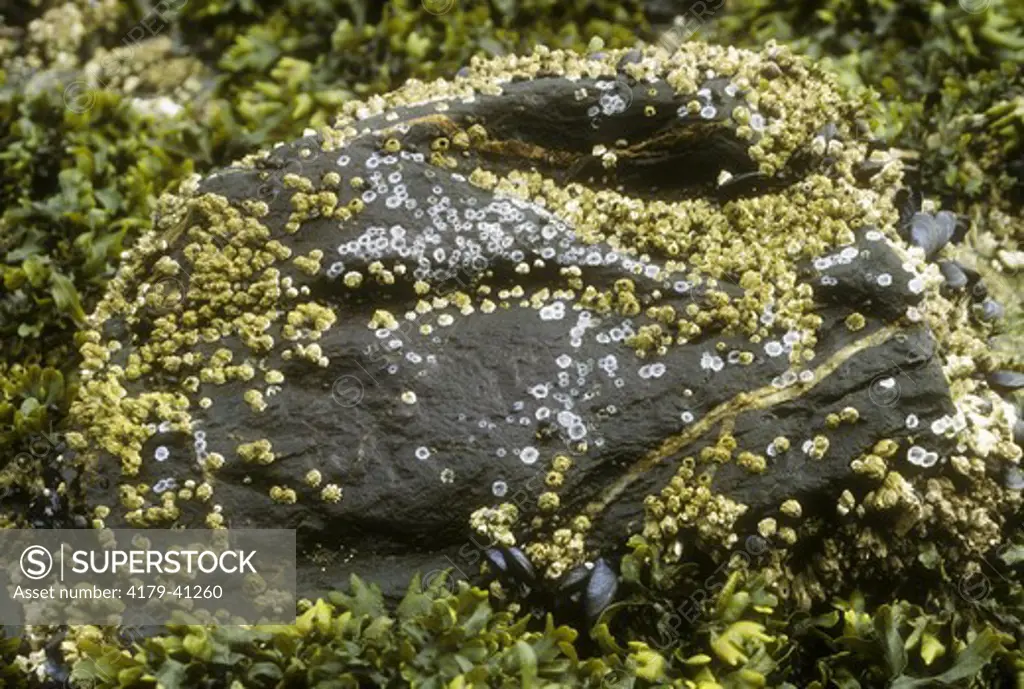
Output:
x=512 y=309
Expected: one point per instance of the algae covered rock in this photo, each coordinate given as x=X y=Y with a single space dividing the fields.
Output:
x=554 y=302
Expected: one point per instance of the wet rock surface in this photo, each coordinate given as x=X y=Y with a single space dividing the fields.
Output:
x=515 y=308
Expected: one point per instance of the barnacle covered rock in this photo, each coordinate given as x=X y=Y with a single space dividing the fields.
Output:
x=553 y=302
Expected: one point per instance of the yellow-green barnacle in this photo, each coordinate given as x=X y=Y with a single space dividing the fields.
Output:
x=485 y=179
x=312 y=316
x=855 y=321
x=286 y=496
x=654 y=507
x=383 y=319
x=849 y=414
x=130 y=497
x=214 y=520
x=496 y=523
x=554 y=479
x=294 y=181
x=555 y=570
x=204 y=492
x=313 y=478
x=715 y=453
x=819 y=446
x=561 y=537
x=886 y=448
x=780 y=444
x=894 y=490
x=477 y=133
x=311 y=353
x=310 y=264
x=787 y=535
x=791 y=508
x=213 y=461
x=254 y=398
x=752 y=462
x=767 y=527
x=581 y=524
x=548 y=501
x=257 y=452
x=331 y=493
x=846 y=503
x=870 y=465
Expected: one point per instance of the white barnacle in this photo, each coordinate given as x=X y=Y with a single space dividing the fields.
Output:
x=916 y=454
x=773 y=348
x=499 y=489
x=164 y=485
x=422 y=452
x=161 y=454
x=529 y=455
x=884 y=280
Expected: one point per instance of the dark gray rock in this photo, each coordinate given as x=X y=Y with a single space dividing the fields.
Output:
x=422 y=427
